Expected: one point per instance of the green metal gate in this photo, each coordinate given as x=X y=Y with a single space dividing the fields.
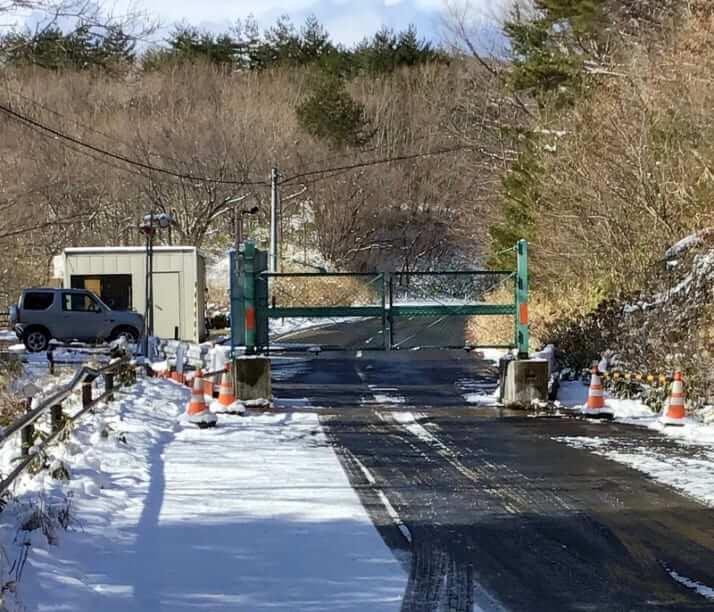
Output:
x=389 y=310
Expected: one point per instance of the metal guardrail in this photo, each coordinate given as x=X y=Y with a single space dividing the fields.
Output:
x=83 y=379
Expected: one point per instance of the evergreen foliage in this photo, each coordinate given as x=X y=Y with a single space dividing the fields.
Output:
x=519 y=209
x=79 y=49
x=332 y=115
x=550 y=49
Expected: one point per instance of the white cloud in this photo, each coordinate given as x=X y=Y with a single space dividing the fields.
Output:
x=346 y=20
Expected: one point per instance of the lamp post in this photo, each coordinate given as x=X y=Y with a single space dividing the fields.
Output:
x=151 y=223
x=239 y=228
x=238 y=219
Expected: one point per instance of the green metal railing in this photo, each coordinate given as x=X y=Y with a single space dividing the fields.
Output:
x=379 y=301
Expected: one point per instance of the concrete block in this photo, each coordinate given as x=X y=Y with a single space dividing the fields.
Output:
x=251 y=376
x=526 y=381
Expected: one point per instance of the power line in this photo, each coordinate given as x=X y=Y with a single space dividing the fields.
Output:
x=56 y=113
x=318 y=174
x=375 y=162
x=25 y=120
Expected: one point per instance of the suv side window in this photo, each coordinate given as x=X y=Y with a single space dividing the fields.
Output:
x=37 y=300
x=78 y=302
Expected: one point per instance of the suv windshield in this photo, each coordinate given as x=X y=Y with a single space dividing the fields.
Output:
x=79 y=302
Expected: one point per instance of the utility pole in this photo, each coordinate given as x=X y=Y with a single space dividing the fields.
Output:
x=236 y=229
x=273 y=263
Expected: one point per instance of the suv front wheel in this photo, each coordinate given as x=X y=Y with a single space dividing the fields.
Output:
x=131 y=335
x=36 y=339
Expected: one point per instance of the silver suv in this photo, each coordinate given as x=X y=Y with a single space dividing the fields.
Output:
x=70 y=314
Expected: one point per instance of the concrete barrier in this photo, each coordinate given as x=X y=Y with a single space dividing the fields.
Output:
x=251 y=377
x=525 y=382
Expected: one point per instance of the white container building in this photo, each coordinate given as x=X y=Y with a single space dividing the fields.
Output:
x=118 y=276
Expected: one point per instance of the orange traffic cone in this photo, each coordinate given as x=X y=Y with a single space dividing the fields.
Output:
x=208 y=389
x=595 y=406
x=197 y=411
x=674 y=409
x=226 y=394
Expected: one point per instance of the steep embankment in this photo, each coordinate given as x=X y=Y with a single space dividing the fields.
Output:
x=667 y=325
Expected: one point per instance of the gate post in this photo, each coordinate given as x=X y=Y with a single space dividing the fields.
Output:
x=386 y=328
x=522 y=299
x=248 y=280
x=237 y=306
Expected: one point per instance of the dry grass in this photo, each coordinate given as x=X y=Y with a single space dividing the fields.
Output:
x=291 y=292
x=543 y=311
x=11 y=406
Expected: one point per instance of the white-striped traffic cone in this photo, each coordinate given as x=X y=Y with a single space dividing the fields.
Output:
x=197 y=411
x=595 y=407
x=674 y=412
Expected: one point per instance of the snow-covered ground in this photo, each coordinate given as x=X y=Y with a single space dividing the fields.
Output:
x=481 y=392
x=256 y=514
x=284 y=327
x=690 y=471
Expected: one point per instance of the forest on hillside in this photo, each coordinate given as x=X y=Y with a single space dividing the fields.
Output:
x=591 y=136
x=206 y=116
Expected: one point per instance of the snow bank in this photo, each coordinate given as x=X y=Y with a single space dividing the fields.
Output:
x=256 y=514
x=574 y=394
x=687 y=243
x=8 y=336
x=693 y=475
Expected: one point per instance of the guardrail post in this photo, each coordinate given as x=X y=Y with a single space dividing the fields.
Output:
x=27 y=433
x=109 y=385
x=56 y=418
x=522 y=299
x=51 y=361
x=86 y=393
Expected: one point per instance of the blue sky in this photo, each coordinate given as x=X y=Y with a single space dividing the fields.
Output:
x=347 y=21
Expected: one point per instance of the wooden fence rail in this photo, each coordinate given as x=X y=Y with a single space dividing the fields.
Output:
x=59 y=422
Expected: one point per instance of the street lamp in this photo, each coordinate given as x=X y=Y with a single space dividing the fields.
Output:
x=238 y=220
x=150 y=224
x=239 y=233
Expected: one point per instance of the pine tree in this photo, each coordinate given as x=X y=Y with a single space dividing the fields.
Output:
x=314 y=41
x=332 y=115
x=520 y=206
x=117 y=47
x=550 y=49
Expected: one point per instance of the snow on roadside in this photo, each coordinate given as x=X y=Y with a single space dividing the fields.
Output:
x=693 y=475
x=256 y=514
x=281 y=328
x=480 y=391
x=573 y=394
x=109 y=456
x=7 y=335
x=700 y=588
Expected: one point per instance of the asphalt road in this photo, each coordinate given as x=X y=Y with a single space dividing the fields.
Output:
x=485 y=509
x=407 y=333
